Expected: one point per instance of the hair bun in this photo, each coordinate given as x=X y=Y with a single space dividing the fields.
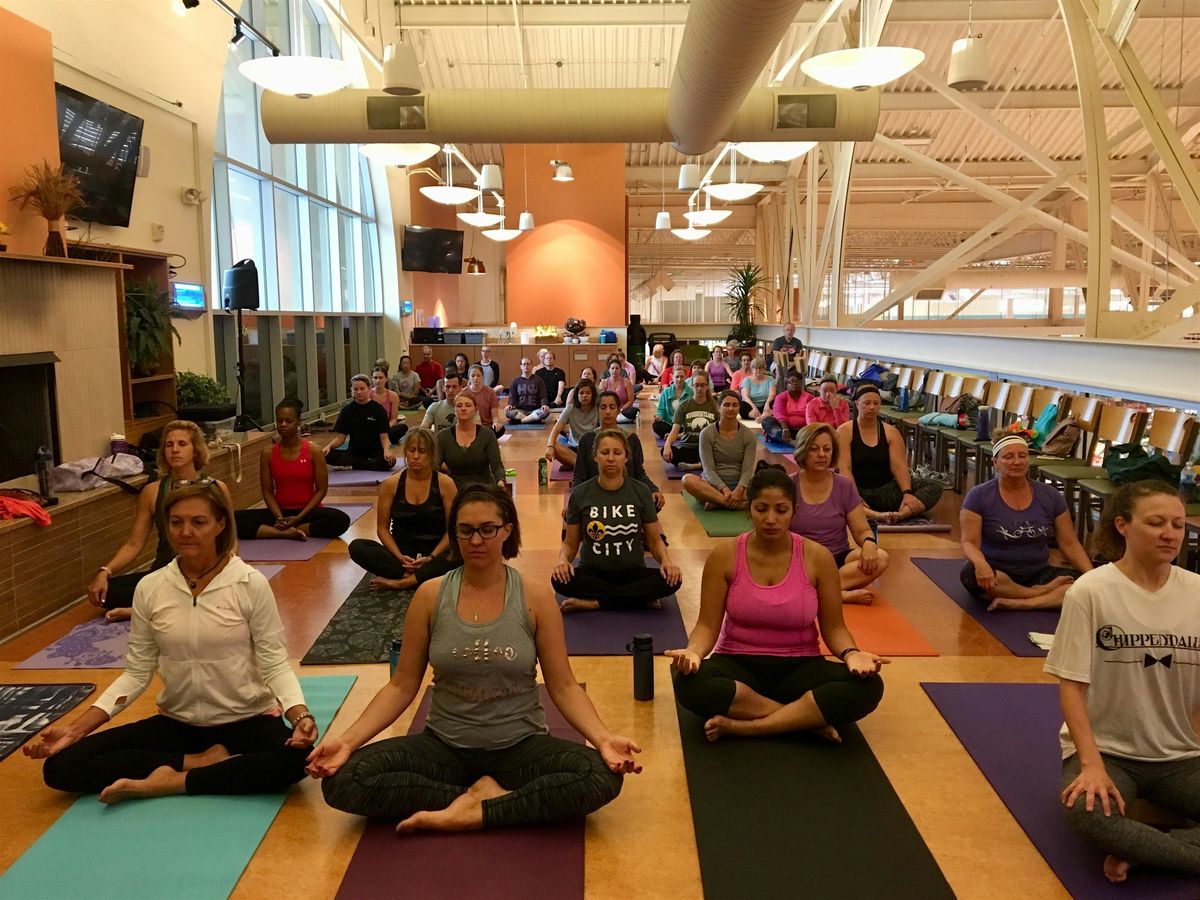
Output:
x=762 y=465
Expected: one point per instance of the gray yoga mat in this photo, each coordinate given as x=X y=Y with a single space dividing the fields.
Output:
x=25 y=709
x=363 y=628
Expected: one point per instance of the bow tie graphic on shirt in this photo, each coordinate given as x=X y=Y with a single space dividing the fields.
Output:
x=1165 y=662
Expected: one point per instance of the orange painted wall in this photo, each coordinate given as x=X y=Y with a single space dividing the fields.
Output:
x=434 y=293
x=28 y=123
x=574 y=262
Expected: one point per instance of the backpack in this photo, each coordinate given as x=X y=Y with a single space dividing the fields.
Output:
x=1043 y=425
x=1062 y=439
x=963 y=403
x=1126 y=463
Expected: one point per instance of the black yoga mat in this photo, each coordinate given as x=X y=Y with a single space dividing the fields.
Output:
x=796 y=816
x=362 y=630
x=608 y=632
x=25 y=709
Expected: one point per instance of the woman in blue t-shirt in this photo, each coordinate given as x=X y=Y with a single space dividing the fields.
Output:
x=1006 y=526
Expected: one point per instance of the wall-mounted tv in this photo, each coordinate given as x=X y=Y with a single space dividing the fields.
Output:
x=99 y=144
x=431 y=250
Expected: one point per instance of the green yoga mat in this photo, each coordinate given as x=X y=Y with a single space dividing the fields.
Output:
x=719 y=522
x=362 y=629
x=177 y=847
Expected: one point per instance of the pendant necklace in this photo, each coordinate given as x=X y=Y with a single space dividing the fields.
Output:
x=192 y=582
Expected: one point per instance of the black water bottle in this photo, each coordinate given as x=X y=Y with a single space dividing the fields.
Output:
x=393 y=656
x=43 y=465
x=642 y=649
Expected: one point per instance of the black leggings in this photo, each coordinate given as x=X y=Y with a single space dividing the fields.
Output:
x=687 y=453
x=661 y=427
x=841 y=696
x=397 y=431
x=359 y=460
x=375 y=558
x=121 y=588
x=617 y=588
x=322 y=522
x=549 y=779
x=261 y=764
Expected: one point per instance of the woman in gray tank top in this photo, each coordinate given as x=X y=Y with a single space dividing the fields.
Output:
x=485 y=758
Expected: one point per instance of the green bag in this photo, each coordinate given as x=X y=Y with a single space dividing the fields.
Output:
x=1126 y=463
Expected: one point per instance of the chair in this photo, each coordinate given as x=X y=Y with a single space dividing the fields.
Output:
x=945 y=436
x=1016 y=404
x=1086 y=413
x=924 y=435
x=927 y=394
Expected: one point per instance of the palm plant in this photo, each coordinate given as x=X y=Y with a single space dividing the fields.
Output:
x=742 y=303
x=148 y=326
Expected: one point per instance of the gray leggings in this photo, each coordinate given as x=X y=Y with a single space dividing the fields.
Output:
x=888 y=497
x=1173 y=785
x=549 y=779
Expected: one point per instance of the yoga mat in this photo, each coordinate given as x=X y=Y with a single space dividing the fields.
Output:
x=1010 y=627
x=882 y=629
x=352 y=477
x=269 y=571
x=916 y=524
x=279 y=548
x=775 y=818
x=719 y=522
x=674 y=473
x=25 y=709
x=179 y=847
x=503 y=439
x=660 y=441
x=608 y=632
x=542 y=862
x=776 y=446
x=558 y=473
x=524 y=426
x=362 y=629
x=1011 y=731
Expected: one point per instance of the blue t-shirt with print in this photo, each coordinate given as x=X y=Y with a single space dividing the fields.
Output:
x=1016 y=541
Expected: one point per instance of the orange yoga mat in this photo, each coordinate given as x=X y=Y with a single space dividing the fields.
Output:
x=882 y=629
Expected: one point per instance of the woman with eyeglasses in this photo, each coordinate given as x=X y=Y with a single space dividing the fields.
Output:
x=207 y=624
x=692 y=416
x=484 y=758
x=468 y=451
x=182 y=456
x=410 y=520
x=294 y=481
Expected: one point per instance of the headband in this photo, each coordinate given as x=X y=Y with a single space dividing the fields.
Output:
x=1006 y=441
x=865 y=389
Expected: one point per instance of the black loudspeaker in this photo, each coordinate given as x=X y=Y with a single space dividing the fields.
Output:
x=239 y=289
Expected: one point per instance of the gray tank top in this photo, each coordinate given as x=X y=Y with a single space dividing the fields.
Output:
x=485 y=693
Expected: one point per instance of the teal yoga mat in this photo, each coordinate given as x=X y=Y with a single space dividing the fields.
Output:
x=177 y=847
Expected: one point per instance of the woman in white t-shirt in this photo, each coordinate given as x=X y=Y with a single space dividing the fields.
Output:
x=1127 y=655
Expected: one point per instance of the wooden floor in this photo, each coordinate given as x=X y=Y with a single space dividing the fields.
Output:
x=642 y=845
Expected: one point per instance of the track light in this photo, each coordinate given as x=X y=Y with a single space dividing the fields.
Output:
x=238 y=34
x=401 y=70
x=475 y=266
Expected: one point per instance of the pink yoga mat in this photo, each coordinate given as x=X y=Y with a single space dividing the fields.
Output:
x=543 y=862
x=296 y=551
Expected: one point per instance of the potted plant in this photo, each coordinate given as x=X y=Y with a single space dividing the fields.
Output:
x=3 y=233
x=53 y=193
x=746 y=282
x=202 y=399
x=148 y=327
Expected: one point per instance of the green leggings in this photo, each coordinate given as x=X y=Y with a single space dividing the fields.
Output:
x=841 y=696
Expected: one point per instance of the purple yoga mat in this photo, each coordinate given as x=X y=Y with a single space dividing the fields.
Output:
x=1010 y=627
x=1011 y=731
x=608 y=632
x=542 y=862
x=296 y=551
x=558 y=473
x=352 y=477
x=673 y=473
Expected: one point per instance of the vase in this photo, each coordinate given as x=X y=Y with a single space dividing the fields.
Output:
x=56 y=239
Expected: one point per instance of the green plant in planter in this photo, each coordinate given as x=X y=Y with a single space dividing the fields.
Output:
x=742 y=304
x=148 y=326
x=192 y=389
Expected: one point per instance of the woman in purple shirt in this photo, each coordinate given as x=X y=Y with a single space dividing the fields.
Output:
x=826 y=505
x=1006 y=526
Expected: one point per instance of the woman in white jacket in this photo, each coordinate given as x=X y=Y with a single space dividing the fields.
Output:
x=207 y=622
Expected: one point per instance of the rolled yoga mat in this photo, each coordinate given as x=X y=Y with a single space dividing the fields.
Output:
x=916 y=524
x=608 y=632
x=363 y=628
x=25 y=709
x=1010 y=627
x=783 y=817
x=536 y=862
x=294 y=551
x=719 y=522
x=524 y=426
x=194 y=847
x=882 y=629
x=1011 y=731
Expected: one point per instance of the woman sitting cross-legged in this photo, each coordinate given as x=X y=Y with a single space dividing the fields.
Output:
x=827 y=506
x=469 y=451
x=580 y=417
x=208 y=624
x=619 y=383
x=410 y=522
x=587 y=463
x=608 y=515
x=758 y=392
x=1125 y=653
x=1006 y=525
x=788 y=411
x=390 y=401
x=294 y=481
x=484 y=759
x=766 y=598
x=692 y=416
x=365 y=423
x=872 y=453
x=669 y=398
x=727 y=451
x=182 y=456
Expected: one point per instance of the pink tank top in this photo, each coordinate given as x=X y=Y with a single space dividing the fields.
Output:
x=295 y=481
x=776 y=620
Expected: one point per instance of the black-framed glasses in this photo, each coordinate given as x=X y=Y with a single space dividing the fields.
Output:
x=487 y=531
x=184 y=482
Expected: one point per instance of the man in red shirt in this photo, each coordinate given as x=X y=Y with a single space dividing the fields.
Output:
x=430 y=372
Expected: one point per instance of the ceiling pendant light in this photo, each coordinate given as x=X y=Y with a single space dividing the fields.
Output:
x=732 y=190
x=503 y=233
x=774 y=151
x=479 y=218
x=968 y=58
x=299 y=75
x=662 y=221
x=401 y=70
x=525 y=223
x=447 y=193
x=475 y=266
x=562 y=170
x=399 y=154
x=690 y=233
x=707 y=216
x=689 y=176
x=490 y=178
x=864 y=66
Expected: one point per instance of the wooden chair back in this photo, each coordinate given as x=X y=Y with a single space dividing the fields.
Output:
x=904 y=377
x=1172 y=433
x=838 y=367
x=997 y=394
x=1020 y=399
x=976 y=387
x=1043 y=397
x=1120 y=424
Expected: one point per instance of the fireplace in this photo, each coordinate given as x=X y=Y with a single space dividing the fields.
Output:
x=28 y=412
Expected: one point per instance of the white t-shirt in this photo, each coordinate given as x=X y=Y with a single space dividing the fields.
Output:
x=1139 y=652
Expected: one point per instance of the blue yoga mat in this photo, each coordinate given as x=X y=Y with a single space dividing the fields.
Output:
x=177 y=847
x=777 y=446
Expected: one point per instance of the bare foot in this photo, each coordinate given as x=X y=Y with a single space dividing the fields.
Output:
x=291 y=534
x=162 y=782
x=391 y=584
x=719 y=726
x=861 y=596
x=654 y=604
x=464 y=814
x=120 y=614
x=1116 y=870
x=573 y=605
x=213 y=755
x=829 y=733
x=1002 y=603
x=709 y=505
x=486 y=788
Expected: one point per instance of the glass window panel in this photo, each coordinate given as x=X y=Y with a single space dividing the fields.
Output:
x=318 y=230
x=310 y=32
x=370 y=259
x=254 y=373
x=341 y=168
x=245 y=214
x=291 y=377
x=271 y=18
x=324 y=396
x=240 y=108
x=346 y=347
x=315 y=173
x=347 y=264
x=367 y=197
x=283 y=162
x=287 y=250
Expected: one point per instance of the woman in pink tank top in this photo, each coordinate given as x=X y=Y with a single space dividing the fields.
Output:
x=768 y=599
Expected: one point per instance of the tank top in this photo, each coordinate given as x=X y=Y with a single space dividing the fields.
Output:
x=775 y=620
x=717 y=375
x=485 y=693
x=418 y=527
x=295 y=480
x=386 y=403
x=872 y=465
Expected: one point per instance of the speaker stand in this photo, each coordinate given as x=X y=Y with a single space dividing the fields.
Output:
x=243 y=422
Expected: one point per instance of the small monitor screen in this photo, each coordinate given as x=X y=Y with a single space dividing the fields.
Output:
x=188 y=296
x=406 y=308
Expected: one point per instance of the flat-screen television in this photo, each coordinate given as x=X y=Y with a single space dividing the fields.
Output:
x=431 y=250
x=99 y=144
x=187 y=297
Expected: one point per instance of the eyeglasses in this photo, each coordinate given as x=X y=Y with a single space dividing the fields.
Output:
x=487 y=531
x=184 y=482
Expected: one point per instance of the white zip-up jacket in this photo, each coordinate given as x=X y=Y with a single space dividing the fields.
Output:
x=221 y=656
